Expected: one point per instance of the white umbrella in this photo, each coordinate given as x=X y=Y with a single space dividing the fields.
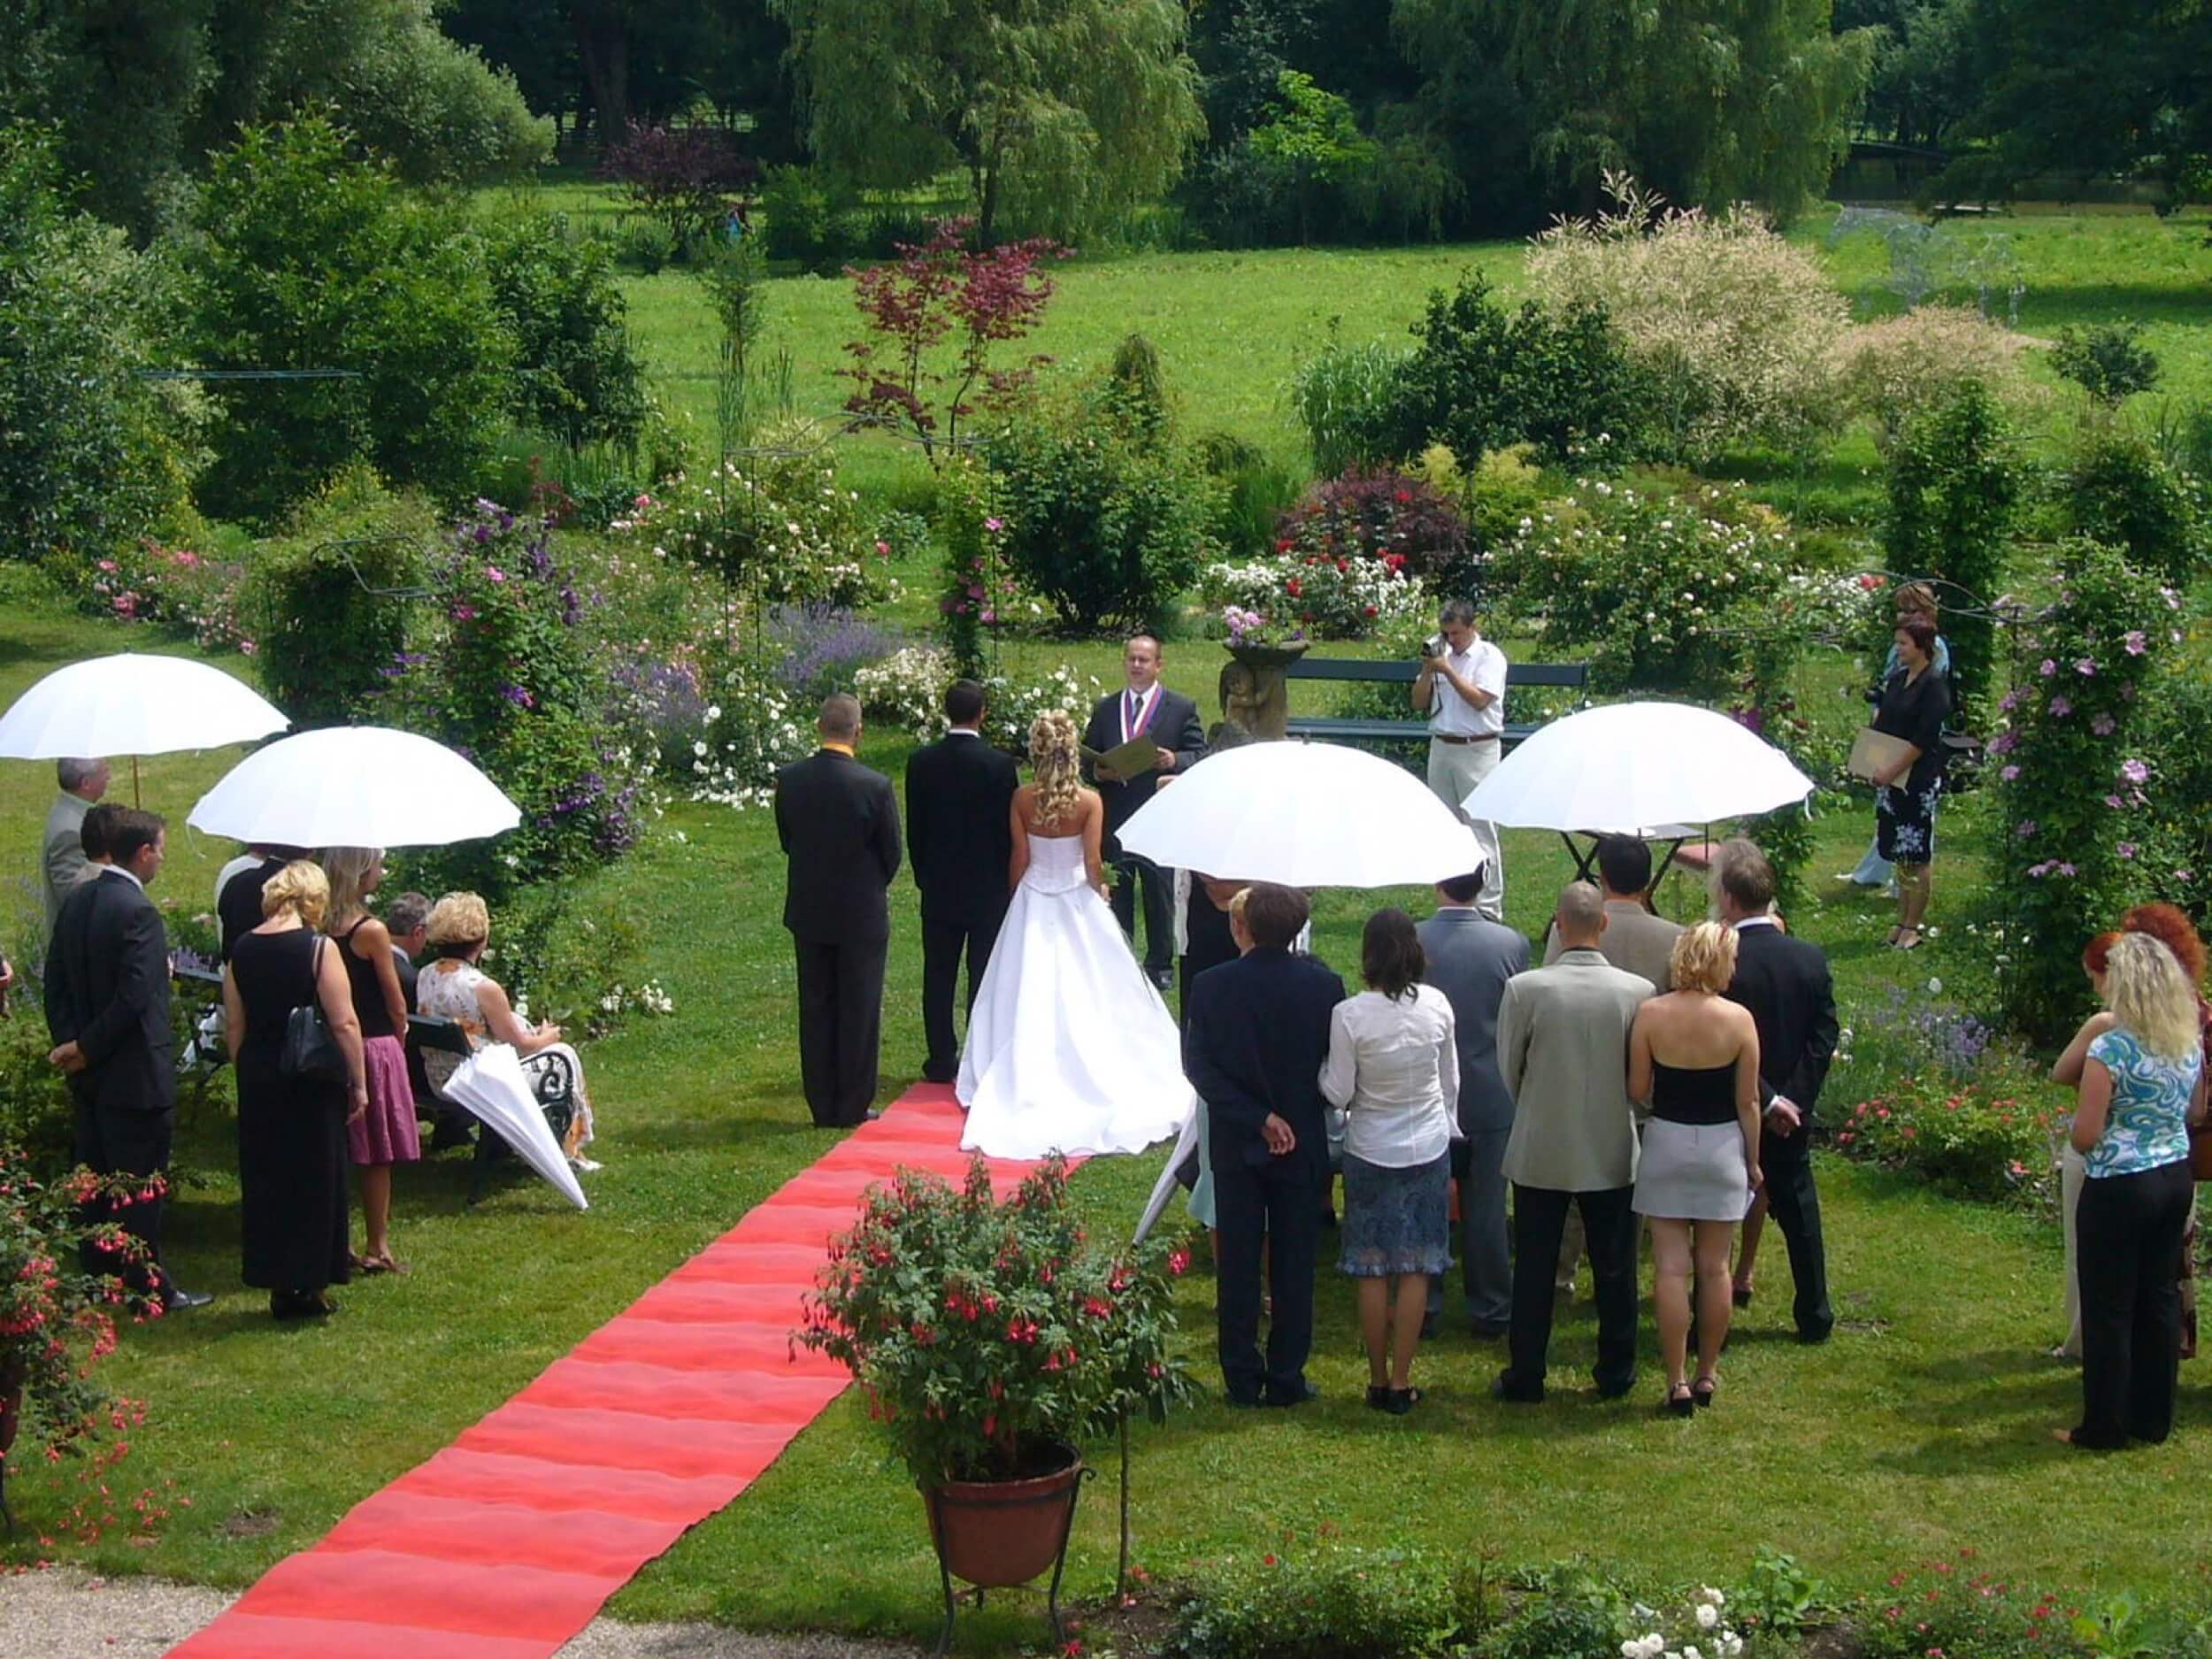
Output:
x=490 y=1084
x=354 y=786
x=134 y=704
x=1163 y=1189
x=1306 y=815
x=1630 y=767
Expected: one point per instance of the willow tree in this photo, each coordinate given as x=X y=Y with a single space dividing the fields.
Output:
x=1713 y=102
x=1060 y=112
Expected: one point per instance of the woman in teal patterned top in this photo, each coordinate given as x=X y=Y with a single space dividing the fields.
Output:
x=2141 y=1086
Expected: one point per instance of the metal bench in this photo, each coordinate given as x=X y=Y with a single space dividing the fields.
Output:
x=1570 y=676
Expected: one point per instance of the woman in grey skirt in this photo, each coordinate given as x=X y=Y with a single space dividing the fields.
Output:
x=1393 y=1065
x=1694 y=1058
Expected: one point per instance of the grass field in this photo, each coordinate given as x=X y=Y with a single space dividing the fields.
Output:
x=1918 y=1430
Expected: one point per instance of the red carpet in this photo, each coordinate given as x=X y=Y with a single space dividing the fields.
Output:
x=506 y=1544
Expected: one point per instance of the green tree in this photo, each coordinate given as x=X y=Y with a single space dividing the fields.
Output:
x=1713 y=102
x=311 y=260
x=575 y=375
x=1314 y=137
x=1060 y=112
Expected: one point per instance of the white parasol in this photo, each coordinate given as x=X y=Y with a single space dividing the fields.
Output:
x=1632 y=768
x=1306 y=815
x=490 y=1084
x=354 y=786
x=133 y=704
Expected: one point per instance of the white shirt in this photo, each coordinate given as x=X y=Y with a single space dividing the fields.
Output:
x=1450 y=714
x=1394 y=1064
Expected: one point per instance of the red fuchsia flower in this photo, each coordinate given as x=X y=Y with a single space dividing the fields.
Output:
x=1023 y=1331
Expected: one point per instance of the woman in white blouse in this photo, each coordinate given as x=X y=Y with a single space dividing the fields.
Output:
x=1394 y=1067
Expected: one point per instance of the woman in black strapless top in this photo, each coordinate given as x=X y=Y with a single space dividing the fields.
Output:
x=1700 y=1160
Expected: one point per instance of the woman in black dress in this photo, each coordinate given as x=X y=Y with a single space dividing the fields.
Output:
x=291 y=1131
x=1915 y=704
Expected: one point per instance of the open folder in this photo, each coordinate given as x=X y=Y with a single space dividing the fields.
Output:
x=1124 y=761
x=1873 y=751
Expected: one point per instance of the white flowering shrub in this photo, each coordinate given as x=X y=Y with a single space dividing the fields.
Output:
x=1904 y=367
x=1735 y=328
x=907 y=688
x=1336 y=598
x=648 y=998
x=1015 y=703
x=1700 y=1630
x=749 y=727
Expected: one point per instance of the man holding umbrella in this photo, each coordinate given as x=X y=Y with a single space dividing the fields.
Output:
x=61 y=852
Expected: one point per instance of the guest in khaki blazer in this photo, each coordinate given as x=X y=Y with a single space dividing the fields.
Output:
x=1635 y=939
x=1562 y=1049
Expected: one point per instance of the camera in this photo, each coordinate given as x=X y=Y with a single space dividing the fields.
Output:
x=1434 y=646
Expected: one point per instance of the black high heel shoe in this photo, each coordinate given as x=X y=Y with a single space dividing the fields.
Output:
x=1703 y=1389
x=1680 y=1402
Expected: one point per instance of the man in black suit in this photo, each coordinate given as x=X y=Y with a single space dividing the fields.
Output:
x=839 y=825
x=107 y=1007
x=1256 y=1032
x=1143 y=708
x=1785 y=983
x=960 y=838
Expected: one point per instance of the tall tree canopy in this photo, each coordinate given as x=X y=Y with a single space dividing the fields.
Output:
x=1709 y=101
x=1060 y=112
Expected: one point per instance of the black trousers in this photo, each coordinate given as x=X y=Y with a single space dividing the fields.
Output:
x=942 y=943
x=1265 y=1206
x=2127 y=1259
x=1609 y=1228
x=126 y=1140
x=1130 y=873
x=1785 y=1161
x=841 y=1028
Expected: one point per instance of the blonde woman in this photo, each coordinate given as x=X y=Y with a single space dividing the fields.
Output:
x=1693 y=1058
x=291 y=1131
x=1070 y=1048
x=454 y=987
x=386 y=1133
x=2142 y=1086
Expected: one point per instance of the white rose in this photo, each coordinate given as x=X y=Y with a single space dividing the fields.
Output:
x=1708 y=1615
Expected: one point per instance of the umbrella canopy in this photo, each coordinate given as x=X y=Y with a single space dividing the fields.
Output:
x=1306 y=815
x=134 y=704
x=1628 y=767
x=490 y=1084
x=354 y=786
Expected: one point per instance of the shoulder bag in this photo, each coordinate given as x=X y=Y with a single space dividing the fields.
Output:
x=310 y=1054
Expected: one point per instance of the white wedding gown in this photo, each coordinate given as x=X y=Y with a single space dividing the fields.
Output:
x=1070 y=1048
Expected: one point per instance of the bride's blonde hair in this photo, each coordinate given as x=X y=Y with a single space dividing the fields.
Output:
x=1057 y=762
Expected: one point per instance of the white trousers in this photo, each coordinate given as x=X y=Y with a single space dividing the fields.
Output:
x=1454 y=769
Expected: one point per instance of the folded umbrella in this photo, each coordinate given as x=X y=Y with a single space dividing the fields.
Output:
x=490 y=1084
x=354 y=786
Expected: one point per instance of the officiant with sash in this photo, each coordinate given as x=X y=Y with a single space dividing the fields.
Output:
x=1908 y=771
x=1164 y=726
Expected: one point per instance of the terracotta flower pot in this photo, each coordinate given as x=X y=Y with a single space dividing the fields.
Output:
x=997 y=1533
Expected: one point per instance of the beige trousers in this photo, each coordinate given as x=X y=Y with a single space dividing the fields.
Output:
x=1454 y=769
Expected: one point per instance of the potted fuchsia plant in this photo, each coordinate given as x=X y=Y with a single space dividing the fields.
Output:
x=990 y=1338
x=57 y=1321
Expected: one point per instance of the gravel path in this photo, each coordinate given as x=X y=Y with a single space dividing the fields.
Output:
x=63 y=1613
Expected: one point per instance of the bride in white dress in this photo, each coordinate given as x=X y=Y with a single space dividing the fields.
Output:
x=1070 y=1048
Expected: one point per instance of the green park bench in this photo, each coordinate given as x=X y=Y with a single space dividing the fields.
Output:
x=1570 y=676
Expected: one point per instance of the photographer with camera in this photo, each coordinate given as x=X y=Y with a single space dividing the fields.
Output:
x=1466 y=727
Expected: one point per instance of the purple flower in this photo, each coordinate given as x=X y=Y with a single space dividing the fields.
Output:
x=2103 y=726
x=2061 y=707
x=2004 y=742
x=2007 y=703
x=2083 y=666
x=493 y=573
x=519 y=697
x=2025 y=827
x=2136 y=643
x=2134 y=770
x=995 y=524
x=2046 y=668
x=2126 y=849
x=2065 y=869
x=2008 y=773
x=2114 y=802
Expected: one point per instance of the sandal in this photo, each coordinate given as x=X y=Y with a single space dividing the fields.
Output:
x=1913 y=943
x=1703 y=1389
x=1680 y=1401
x=1402 y=1401
x=385 y=1264
x=1378 y=1396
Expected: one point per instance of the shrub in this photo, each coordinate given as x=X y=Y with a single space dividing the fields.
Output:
x=1330 y=1600
x=1565 y=1611
x=1381 y=515
x=571 y=955
x=1734 y=328
x=2075 y=766
x=1953 y=487
x=906 y=688
x=575 y=376
x=820 y=648
x=1015 y=703
x=977 y=581
x=2117 y=489
x=1963 y=1139
x=1342 y=395
x=37 y=1116
x=1339 y=597
x=1104 y=524
x=311 y=261
x=93 y=456
x=1483 y=379
x=1257 y=491
x=197 y=594
x=1954 y=1607
x=752 y=727
x=2107 y=360
x=1902 y=369
x=682 y=178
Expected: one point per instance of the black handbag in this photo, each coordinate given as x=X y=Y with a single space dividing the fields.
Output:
x=310 y=1054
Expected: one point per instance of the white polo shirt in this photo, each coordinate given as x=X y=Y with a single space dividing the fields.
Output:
x=1451 y=715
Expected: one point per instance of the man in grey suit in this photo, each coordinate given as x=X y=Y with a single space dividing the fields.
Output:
x=1635 y=939
x=1562 y=1049
x=1471 y=958
x=61 y=851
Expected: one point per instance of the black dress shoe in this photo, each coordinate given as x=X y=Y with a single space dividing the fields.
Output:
x=1614 y=1391
x=1515 y=1394
x=870 y=1116
x=1246 y=1403
x=176 y=1299
x=1813 y=1339
x=1307 y=1392
x=930 y=1076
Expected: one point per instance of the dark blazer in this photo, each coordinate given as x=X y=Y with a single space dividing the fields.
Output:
x=1783 y=982
x=107 y=990
x=839 y=825
x=1254 y=1034
x=1175 y=725
x=959 y=830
